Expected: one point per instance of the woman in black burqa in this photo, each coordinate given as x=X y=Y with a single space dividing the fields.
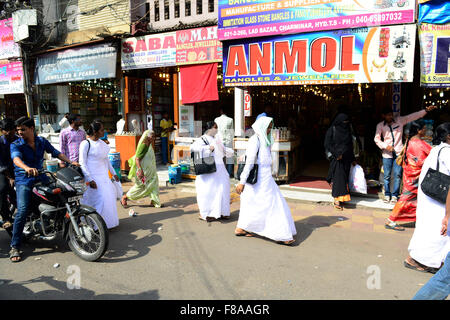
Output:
x=339 y=142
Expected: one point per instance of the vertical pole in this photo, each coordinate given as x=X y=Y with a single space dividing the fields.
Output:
x=27 y=85
x=239 y=128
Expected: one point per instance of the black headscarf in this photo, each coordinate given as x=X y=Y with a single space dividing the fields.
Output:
x=338 y=139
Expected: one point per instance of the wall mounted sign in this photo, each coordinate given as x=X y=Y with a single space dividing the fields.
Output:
x=78 y=64
x=253 y=18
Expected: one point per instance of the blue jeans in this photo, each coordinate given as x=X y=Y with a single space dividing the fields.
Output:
x=23 y=209
x=389 y=164
x=164 y=147
x=438 y=287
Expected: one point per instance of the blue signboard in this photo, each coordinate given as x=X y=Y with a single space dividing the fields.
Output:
x=78 y=64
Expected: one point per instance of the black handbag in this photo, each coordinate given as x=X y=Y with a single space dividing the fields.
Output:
x=436 y=184
x=203 y=165
x=253 y=175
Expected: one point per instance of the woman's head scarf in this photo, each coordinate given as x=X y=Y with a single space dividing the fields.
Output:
x=260 y=127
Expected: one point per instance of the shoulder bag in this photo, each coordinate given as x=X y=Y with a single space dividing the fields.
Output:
x=203 y=165
x=253 y=175
x=436 y=184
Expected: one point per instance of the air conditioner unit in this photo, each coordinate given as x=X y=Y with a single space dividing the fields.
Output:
x=22 y=19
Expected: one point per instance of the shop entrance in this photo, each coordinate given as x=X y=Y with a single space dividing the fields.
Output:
x=306 y=112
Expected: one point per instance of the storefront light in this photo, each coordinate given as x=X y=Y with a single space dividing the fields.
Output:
x=441 y=94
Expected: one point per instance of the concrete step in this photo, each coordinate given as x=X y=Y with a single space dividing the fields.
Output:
x=311 y=195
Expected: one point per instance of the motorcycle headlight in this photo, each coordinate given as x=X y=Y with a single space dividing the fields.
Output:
x=79 y=186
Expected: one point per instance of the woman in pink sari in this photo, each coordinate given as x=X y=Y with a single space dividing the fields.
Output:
x=417 y=151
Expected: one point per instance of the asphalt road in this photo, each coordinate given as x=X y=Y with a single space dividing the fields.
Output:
x=169 y=254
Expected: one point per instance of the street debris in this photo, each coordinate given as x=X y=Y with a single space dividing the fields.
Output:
x=37 y=258
x=379 y=256
x=131 y=213
x=56 y=265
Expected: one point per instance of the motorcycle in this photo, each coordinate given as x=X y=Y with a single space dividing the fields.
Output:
x=56 y=210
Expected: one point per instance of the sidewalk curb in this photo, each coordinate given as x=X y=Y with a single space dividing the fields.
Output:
x=311 y=195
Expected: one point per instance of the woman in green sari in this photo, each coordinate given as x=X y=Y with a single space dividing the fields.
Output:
x=143 y=170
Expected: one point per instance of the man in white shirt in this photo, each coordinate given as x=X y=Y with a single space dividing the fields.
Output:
x=225 y=127
x=64 y=123
x=389 y=138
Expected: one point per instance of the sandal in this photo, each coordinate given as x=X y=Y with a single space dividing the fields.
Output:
x=338 y=206
x=286 y=243
x=243 y=234
x=124 y=205
x=14 y=254
x=7 y=225
x=394 y=226
x=420 y=268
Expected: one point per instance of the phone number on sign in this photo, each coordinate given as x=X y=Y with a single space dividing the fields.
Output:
x=235 y=33
x=380 y=17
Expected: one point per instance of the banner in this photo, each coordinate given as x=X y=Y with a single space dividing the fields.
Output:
x=8 y=48
x=434 y=55
x=199 y=45
x=151 y=51
x=11 y=78
x=256 y=18
x=437 y=12
x=93 y=62
x=364 y=55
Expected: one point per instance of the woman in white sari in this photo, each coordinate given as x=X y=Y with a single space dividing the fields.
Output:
x=213 y=189
x=428 y=248
x=264 y=210
x=101 y=193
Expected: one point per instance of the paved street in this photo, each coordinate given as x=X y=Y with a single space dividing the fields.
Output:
x=168 y=253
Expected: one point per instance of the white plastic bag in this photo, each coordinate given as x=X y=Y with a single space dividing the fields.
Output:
x=118 y=188
x=357 y=180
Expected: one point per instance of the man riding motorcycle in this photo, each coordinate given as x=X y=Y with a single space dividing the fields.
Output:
x=27 y=154
x=8 y=130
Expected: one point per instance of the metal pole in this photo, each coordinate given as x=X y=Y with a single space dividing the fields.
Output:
x=27 y=86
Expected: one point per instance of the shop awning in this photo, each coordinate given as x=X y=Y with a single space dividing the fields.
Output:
x=77 y=64
x=199 y=83
x=436 y=11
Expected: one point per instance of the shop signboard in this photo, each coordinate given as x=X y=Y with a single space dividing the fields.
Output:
x=256 y=18
x=199 y=45
x=151 y=51
x=78 y=64
x=11 y=78
x=434 y=42
x=8 y=48
x=363 y=55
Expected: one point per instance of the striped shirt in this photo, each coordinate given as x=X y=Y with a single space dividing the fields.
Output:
x=69 y=141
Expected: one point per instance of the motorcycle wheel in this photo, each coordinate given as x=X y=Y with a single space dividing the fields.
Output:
x=96 y=237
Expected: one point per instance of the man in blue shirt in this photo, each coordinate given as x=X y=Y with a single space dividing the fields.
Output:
x=27 y=153
x=8 y=129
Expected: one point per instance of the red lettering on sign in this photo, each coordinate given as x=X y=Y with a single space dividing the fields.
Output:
x=154 y=44
x=236 y=61
x=169 y=42
x=127 y=47
x=140 y=45
x=323 y=54
x=263 y=59
x=290 y=56
x=347 y=45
